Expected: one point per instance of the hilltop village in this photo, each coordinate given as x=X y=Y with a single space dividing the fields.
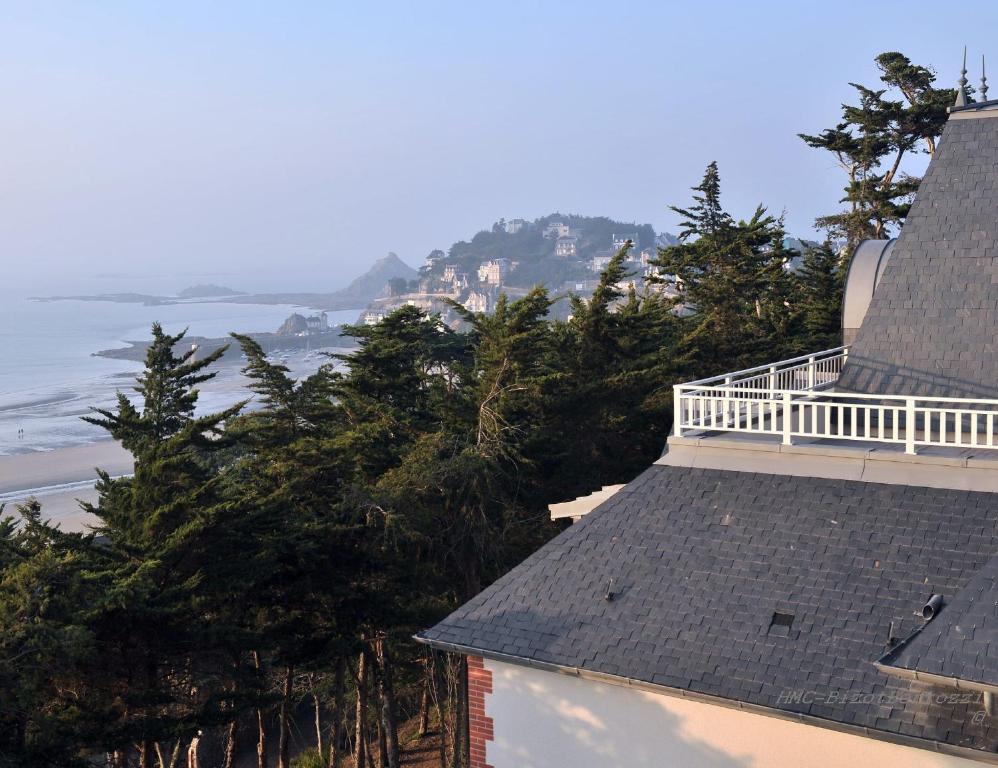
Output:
x=565 y=253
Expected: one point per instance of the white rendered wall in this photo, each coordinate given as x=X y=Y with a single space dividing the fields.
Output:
x=548 y=720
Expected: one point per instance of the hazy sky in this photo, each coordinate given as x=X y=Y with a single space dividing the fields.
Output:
x=302 y=140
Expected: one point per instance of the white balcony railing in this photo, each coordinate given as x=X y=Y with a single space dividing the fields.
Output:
x=795 y=399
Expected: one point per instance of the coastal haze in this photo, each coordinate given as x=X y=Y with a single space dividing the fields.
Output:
x=280 y=154
x=275 y=148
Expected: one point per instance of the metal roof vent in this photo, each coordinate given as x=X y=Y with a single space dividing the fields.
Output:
x=780 y=624
x=931 y=608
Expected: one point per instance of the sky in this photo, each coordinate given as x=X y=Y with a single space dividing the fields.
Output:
x=286 y=145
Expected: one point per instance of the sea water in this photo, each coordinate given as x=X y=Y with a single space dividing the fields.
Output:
x=50 y=378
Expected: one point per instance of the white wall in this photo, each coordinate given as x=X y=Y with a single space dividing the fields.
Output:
x=548 y=720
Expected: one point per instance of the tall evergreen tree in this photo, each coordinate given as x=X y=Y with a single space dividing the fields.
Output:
x=729 y=277
x=167 y=558
x=871 y=141
x=820 y=297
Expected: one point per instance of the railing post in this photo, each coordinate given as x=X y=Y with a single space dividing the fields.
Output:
x=728 y=403
x=772 y=382
x=810 y=372
x=909 y=425
x=677 y=411
x=788 y=415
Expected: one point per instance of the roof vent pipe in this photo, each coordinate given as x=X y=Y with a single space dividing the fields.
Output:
x=932 y=607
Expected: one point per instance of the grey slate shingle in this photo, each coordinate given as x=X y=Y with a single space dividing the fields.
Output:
x=930 y=327
x=962 y=641
x=695 y=598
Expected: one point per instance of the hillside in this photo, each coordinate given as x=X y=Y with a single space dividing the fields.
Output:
x=372 y=283
x=534 y=251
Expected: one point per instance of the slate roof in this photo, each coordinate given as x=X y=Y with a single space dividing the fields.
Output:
x=930 y=326
x=702 y=560
x=962 y=641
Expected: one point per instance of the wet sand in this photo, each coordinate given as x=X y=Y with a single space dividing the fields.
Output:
x=60 y=478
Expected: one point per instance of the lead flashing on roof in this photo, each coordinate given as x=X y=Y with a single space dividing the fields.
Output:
x=928 y=745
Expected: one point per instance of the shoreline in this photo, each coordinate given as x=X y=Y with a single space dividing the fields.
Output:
x=60 y=479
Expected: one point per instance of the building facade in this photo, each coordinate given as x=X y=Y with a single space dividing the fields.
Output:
x=493 y=272
x=566 y=247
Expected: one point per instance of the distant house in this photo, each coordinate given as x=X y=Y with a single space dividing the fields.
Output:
x=456 y=277
x=619 y=241
x=600 y=262
x=317 y=323
x=566 y=247
x=299 y=325
x=557 y=229
x=493 y=272
x=477 y=302
x=373 y=316
x=435 y=257
x=514 y=225
x=583 y=286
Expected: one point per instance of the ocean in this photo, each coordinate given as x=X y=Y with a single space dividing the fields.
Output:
x=49 y=376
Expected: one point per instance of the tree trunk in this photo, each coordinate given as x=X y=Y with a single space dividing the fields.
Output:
x=193 y=759
x=145 y=753
x=382 y=743
x=229 y=760
x=283 y=746
x=360 y=744
x=424 y=703
x=461 y=742
x=389 y=717
x=335 y=756
x=175 y=755
x=437 y=691
x=317 y=706
x=261 y=725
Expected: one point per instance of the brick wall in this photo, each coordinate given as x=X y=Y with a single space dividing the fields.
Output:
x=480 y=726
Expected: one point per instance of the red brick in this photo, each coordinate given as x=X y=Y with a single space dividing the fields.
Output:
x=480 y=724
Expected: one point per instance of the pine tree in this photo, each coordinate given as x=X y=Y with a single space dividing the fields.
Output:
x=820 y=298
x=729 y=277
x=167 y=562
x=873 y=138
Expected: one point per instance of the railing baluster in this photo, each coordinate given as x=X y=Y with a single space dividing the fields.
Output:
x=787 y=418
x=772 y=399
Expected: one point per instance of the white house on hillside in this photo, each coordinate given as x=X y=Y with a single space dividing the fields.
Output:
x=493 y=272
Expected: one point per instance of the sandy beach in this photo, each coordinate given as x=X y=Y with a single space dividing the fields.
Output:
x=60 y=478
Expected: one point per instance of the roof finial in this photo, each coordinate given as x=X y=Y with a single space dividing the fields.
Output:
x=984 y=81
x=961 y=91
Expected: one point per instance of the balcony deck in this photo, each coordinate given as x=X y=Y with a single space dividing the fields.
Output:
x=789 y=418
